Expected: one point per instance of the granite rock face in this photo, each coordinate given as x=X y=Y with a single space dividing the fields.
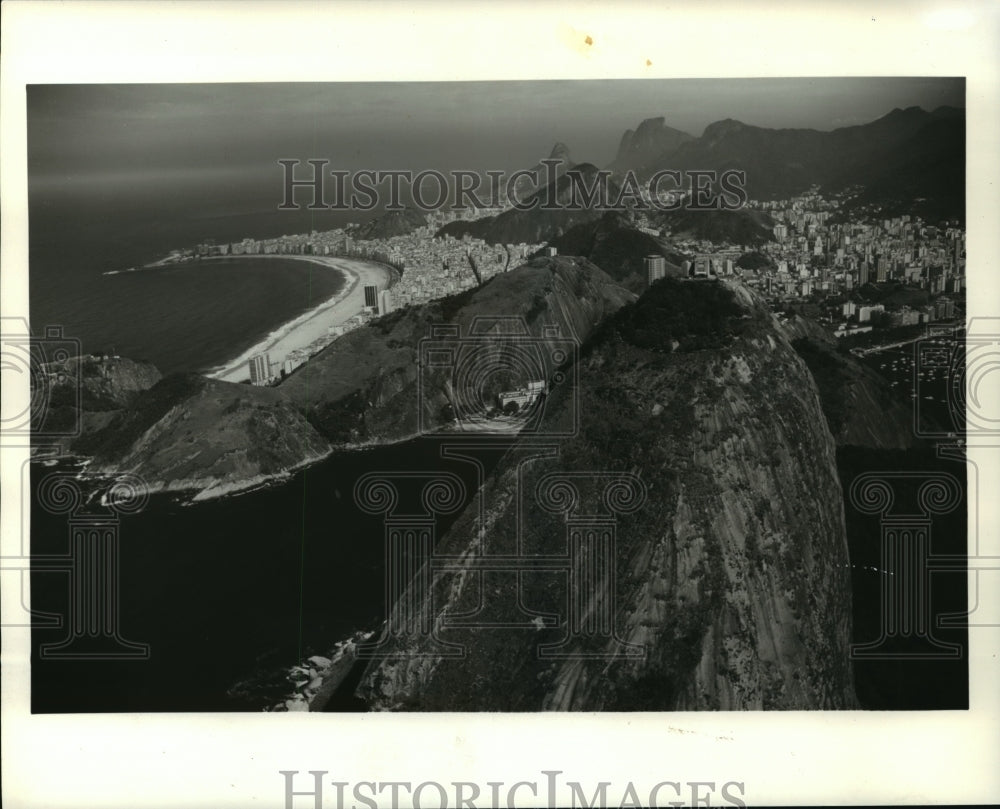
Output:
x=651 y=139
x=722 y=582
x=859 y=405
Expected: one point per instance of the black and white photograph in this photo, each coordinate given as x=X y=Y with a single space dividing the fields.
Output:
x=653 y=396
x=628 y=434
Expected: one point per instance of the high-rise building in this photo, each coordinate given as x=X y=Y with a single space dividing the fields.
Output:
x=371 y=296
x=260 y=369
x=863 y=271
x=385 y=301
x=656 y=268
x=865 y=312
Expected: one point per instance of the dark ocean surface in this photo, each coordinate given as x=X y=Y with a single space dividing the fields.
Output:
x=180 y=318
x=229 y=593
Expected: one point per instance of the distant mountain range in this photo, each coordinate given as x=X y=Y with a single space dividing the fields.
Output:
x=908 y=160
x=646 y=143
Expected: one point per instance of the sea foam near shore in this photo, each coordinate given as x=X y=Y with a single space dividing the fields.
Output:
x=311 y=331
x=290 y=335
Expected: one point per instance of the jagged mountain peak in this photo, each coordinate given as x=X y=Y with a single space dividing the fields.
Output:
x=878 y=155
x=646 y=142
x=560 y=152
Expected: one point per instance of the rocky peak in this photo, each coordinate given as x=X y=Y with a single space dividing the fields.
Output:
x=729 y=571
x=560 y=152
x=651 y=139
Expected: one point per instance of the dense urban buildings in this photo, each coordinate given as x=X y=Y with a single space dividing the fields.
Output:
x=816 y=257
x=822 y=259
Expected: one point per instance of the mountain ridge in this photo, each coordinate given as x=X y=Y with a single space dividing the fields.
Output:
x=651 y=138
x=731 y=576
x=782 y=162
x=552 y=215
x=186 y=432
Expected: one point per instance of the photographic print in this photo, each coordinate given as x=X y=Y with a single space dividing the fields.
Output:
x=540 y=406
x=373 y=396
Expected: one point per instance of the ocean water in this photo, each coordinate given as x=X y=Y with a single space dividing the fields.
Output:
x=181 y=318
x=226 y=593
x=229 y=593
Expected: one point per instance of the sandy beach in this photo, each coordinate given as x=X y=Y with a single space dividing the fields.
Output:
x=309 y=332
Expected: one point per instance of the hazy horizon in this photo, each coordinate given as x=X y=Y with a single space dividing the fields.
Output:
x=164 y=132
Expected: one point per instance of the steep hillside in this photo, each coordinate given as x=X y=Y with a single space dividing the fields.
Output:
x=901 y=157
x=731 y=570
x=391 y=223
x=538 y=224
x=743 y=227
x=525 y=186
x=641 y=147
x=618 y=248
x=923 y=176
x=363 y=388
x=190 y=432
x=860 y=407
x=85 y=393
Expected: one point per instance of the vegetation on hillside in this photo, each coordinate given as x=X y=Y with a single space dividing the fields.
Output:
x=753 y=261
x=675 y=315
x=150 y=406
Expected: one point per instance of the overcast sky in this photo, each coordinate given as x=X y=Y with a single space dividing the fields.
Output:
x=155 y=131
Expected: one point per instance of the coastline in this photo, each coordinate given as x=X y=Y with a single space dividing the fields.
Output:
x=309 y=332
x=197 y=490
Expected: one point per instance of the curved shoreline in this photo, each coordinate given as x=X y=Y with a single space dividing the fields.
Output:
x=308 y=332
